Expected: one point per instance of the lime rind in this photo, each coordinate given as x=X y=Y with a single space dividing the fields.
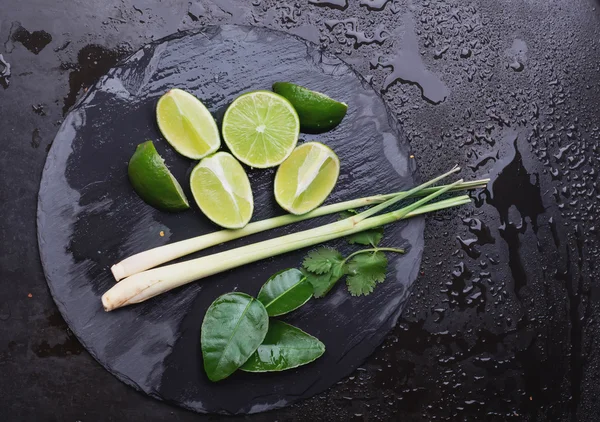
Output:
x=317 y=111
x=178 y=188
x=323 y=96
x=152 y=180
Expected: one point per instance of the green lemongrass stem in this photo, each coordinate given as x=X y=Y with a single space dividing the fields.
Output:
x=446 y=203
x=409 y=208
x=147 y=284
x=402 y=195
x=154 y=257
x=352 y=255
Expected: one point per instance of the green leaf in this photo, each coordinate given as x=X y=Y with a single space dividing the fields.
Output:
x=370 y=237
x=234 y=326
x=321 y=260
x=285 y=291
x=284 y=347
x=347 y=214
x=323 y=283
x=364 y=270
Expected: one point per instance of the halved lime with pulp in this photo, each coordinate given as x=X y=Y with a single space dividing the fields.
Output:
x=318 y=113
x=222 y=190
x=261 y=128
x=152 y=180
x=306 y=178
x=187 y=124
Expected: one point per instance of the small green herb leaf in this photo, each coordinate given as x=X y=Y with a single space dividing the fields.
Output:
x=347 y=214
x=285 y=291
x=322 y=260
x=284 y=347
x=370 y=237
x=234 y=326
x=323 y=283
x=364 y=270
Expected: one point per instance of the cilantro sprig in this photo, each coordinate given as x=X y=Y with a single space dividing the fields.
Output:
x=324 y=266
x=368 y=237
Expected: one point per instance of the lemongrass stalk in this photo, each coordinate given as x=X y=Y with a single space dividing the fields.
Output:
x=446 y=203
x=156 y=256
x=147 y=284
x=380 y=207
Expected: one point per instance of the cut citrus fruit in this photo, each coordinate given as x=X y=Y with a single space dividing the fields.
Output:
x=152 y=180
x=317 y=112
x=261 y=128
x=306 y=178
x=187 y=124
x=222 y=190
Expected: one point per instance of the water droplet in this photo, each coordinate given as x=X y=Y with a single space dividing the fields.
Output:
x=93 y=61
x=34 y=41
x=408 y=67
x=335 y=4
x=39 y=109
x=196 y=10
x=36 y=139
x=374 y=4
x=350 y=30
x=438 y=54
x=517 y=55
x=4 y=72
x=517 y=66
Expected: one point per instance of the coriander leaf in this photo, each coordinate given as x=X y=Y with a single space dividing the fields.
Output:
x=368 y=237
x=323 y=283
x=364 y=270
x=347 y=214
x=359 y=285
x=373 y=265
x=321 y=261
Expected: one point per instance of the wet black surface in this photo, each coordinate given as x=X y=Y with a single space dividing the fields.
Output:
x=494 y=330
x=89 y=217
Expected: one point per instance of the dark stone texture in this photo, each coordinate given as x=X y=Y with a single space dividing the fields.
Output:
x=493 y=330
x=89 y=218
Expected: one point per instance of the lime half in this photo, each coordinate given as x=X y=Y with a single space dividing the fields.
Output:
x=153 y=181
x=222 y=190
x=306 y=178
x=261 y=128
x=187 y=124
x=318 y=113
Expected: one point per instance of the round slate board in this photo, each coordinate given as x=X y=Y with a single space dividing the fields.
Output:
x=89 y=218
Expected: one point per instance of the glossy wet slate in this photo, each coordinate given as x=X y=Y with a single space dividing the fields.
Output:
x=89 y=218
x=474 y=342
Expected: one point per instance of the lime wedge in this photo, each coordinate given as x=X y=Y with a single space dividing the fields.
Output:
x=187 y=124
x=152 y=180
x=318 y=113
x=306 y=178
x=222 y=190
x=261 y=128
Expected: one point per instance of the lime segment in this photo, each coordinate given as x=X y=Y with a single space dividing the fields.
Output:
x=317 y=112
x=187 y=124
x=152 y=180
x=306 y=178
x=222 y=190
x=261 y=128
